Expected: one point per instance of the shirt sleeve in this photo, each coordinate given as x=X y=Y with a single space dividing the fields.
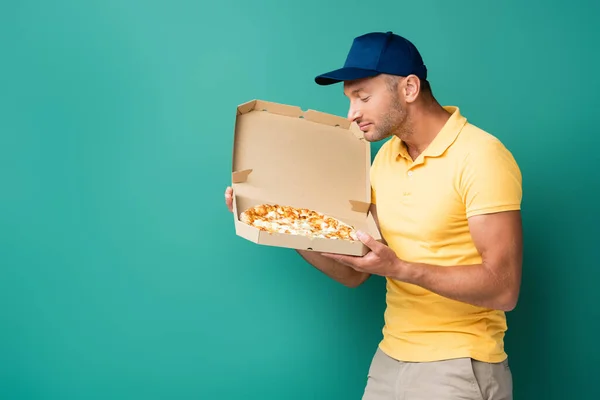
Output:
x=490 y=180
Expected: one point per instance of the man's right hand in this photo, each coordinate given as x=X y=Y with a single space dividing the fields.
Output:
x=229 y=198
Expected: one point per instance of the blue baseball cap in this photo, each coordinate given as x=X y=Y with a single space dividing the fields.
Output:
x=375 y=53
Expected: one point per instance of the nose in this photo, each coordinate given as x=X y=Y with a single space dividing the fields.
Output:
x=353 y=113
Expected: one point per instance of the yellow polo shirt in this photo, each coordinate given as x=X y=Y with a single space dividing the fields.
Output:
x=423 y=206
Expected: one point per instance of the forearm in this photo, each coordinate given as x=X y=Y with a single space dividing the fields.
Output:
x=474 y=284
x=339 y=272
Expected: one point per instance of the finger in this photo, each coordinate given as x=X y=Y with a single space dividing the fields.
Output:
x=229 y=198
x=369 y=241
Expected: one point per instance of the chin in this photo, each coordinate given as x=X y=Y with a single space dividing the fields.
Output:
x=368 y=138
x=374 y=136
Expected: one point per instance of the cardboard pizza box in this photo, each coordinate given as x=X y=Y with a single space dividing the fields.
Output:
x=284 y=155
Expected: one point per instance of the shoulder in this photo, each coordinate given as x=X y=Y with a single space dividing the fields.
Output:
x=473 y=137
x=489 y=179
x=481 y=149
x=488 y=174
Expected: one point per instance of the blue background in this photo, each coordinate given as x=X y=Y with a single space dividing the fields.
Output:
x=121 y=276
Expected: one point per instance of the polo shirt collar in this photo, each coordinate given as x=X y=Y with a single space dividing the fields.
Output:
x=443 y=139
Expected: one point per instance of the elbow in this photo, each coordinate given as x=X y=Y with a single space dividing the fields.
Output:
x=508 y=300
x=508 y=306
x=356 y=280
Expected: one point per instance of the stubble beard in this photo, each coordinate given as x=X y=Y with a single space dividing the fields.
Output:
x=394 y=122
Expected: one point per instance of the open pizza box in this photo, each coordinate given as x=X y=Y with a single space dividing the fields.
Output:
x=309 y=159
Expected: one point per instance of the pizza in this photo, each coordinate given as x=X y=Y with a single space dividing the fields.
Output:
x=276 y=218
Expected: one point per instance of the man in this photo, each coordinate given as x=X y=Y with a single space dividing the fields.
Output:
x=446 y=196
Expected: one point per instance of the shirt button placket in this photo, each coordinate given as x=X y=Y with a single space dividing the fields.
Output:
x=410 y=176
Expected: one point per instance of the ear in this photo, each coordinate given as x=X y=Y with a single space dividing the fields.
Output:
x=412 y=87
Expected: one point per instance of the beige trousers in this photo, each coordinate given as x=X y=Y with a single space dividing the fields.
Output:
x=461 y=378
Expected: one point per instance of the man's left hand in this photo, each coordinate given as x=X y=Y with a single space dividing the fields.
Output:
x=381 y=260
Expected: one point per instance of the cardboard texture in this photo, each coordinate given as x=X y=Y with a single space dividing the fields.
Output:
x=284 y=155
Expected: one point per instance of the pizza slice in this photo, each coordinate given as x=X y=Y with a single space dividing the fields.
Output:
x=276 y=218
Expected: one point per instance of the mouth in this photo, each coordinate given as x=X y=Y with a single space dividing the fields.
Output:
x=364 y=126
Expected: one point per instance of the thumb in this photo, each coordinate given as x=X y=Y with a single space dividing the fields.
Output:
x=368 y=240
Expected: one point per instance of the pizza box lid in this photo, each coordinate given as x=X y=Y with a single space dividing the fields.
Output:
x=284 y=155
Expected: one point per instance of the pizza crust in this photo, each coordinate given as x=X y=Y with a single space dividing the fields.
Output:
x=275 y=218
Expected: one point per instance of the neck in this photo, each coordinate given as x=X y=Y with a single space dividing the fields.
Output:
x=426 y=121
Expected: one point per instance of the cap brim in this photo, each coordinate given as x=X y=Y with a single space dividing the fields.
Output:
x=344 y=74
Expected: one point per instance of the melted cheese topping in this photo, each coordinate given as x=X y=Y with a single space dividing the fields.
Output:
x=297 y=221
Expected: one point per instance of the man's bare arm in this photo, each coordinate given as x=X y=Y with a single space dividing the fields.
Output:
x=495 y=283
x=339 y=272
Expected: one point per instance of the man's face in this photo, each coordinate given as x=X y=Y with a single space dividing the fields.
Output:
x=376 y=107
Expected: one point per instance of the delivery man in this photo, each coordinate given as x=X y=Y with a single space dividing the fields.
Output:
x=446 y=196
